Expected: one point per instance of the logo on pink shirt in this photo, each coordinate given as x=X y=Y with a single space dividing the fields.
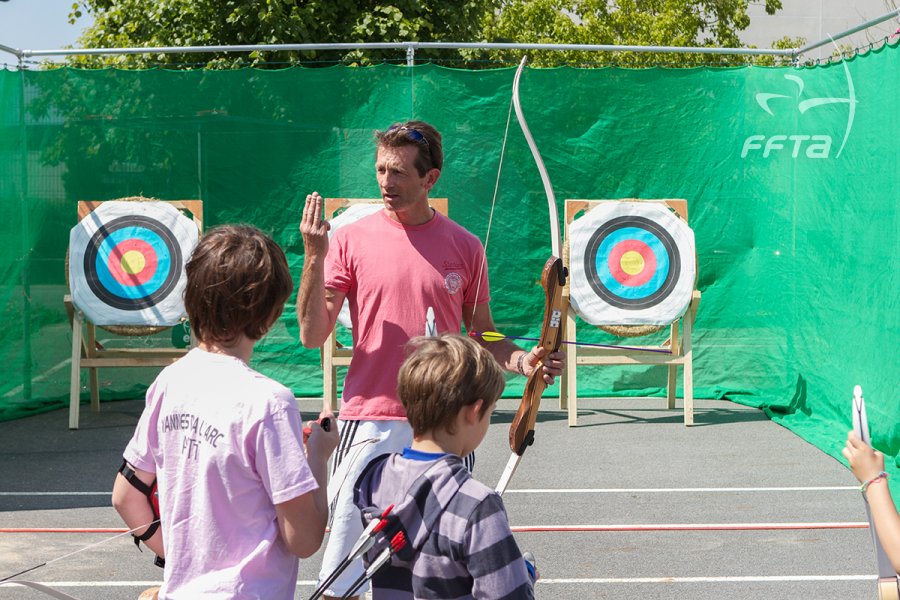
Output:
x=453 y=282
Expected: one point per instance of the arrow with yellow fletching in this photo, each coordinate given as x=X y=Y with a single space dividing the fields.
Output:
x=496 y=336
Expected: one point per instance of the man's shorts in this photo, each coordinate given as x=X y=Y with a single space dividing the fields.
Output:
x=361 y=441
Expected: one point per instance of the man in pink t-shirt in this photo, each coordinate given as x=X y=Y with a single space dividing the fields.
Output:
x=391 y=267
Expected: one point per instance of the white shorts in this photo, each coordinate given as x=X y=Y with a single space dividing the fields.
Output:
x=361 y=441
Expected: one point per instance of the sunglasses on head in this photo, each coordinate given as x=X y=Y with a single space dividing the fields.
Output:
x=411 y=134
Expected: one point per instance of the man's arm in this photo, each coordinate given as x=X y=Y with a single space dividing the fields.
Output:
x=317 y=306
x=509 y=355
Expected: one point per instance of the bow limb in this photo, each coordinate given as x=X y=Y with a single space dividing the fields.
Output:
x=553 y=280
x=555 y=238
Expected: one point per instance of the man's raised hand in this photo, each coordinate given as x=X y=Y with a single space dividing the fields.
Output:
x=313 y=226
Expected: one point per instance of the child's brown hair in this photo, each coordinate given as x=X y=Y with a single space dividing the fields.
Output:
x=237 y=283
x=444 y=374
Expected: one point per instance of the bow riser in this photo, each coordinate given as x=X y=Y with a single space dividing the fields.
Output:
x=553 y=280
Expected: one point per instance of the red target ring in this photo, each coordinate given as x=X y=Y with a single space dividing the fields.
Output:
x=632 y=262
x=133 y=262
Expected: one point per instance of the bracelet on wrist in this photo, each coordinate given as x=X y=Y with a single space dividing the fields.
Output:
x=520 y=364
x=865 y=486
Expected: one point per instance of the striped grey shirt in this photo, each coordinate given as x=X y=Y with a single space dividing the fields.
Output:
x=460 y=544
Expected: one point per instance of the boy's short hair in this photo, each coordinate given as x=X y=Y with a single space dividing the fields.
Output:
x=420 y=135
x=444 y=374
x=237 y=283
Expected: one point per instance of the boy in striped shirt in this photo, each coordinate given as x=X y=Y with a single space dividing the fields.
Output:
x=459 y=543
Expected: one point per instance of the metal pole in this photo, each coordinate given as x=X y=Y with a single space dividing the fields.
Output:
x=25 y=248
x=407 y=46
x=851 y=31
x=11 y=50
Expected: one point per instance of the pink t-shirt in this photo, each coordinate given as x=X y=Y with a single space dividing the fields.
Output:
x=391 y=273
x=226 y=445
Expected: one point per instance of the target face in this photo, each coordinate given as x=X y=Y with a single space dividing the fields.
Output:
x=351 y=214
x=127 y=263
x=632 y=264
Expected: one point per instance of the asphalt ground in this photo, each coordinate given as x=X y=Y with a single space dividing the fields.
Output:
x=629 y=504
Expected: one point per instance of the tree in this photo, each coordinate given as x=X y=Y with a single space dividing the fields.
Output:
x=138 y=23
x=683 y=23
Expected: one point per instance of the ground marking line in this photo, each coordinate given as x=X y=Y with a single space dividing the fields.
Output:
x=541 y=582
x=677 y=490
x=690 y=527
x=835 y=488
x=109 y=493
x=551 y=528
x=744 y=579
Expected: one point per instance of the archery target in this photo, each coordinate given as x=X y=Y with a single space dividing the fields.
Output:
x=126 y=263
x=352 y=214
x=632 y=263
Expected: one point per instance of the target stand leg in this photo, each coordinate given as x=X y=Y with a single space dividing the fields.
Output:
x=93 y=378
x=688 y=354
x=569 y=385
x=75 y=383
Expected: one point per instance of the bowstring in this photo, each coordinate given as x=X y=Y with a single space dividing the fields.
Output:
x=88 y=547
x=487 y=235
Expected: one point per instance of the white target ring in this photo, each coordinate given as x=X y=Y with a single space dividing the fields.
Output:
x=126 y=263
x=631 y=263
x=352 y=214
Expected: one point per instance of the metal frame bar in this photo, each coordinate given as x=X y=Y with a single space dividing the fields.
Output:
x=851 y=31
x=411 y=47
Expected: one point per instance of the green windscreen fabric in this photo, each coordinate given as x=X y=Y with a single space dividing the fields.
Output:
x=790 y=177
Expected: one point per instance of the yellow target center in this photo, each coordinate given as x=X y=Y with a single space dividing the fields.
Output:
x=133 y=262
x=632 y=262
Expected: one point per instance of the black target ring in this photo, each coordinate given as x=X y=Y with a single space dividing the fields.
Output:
x=173 y=255
x=664 y=239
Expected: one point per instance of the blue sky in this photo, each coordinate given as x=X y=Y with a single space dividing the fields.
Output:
x=37 y=25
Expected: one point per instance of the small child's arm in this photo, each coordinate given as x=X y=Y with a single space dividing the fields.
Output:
x=500 y=570
x=868 y=465
x=302 y=520
x=135 y=509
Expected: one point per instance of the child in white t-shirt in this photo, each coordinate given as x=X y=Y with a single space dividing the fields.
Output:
x=240 y=494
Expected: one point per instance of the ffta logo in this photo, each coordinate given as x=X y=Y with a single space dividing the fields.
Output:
x=811 y=145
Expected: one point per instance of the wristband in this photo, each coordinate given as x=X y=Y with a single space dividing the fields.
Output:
x=866 y=485
x=520 y=367
x=151 y=530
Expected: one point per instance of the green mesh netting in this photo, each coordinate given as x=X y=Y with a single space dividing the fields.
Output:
x=790 y=175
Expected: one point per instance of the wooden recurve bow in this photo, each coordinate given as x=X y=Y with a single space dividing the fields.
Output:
x=553 y=279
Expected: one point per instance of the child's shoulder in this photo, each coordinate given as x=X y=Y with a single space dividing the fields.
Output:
x=451 y=475
x=229 y=376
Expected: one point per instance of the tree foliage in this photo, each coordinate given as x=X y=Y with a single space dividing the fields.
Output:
x=138 y=23
x=682 y=23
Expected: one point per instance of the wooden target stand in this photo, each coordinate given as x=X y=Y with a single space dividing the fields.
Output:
x=333 y=353
x=679 y=342
x=87 y=353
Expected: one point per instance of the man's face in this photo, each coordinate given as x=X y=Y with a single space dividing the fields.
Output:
x=401 y=186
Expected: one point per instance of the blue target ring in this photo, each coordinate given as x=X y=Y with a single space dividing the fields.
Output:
x=99 y=253
x=646 y=231
x=145 y=288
